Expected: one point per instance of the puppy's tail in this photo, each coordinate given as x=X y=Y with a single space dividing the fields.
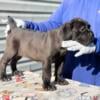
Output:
x=11 y=23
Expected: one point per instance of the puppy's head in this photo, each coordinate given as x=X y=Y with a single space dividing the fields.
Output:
x=79 y=30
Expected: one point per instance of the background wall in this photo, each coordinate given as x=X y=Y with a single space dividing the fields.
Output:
x=36 y=10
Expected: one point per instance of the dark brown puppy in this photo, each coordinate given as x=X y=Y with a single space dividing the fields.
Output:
x=44 y=47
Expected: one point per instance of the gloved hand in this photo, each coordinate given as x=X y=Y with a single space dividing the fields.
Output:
x=76 y=46
x=19 y=23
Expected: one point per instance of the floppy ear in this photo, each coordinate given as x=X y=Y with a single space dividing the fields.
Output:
x=75 y=24
x=66 y=30
x=65 y=27
x=79 y=23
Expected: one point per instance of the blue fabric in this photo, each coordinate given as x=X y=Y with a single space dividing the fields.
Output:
x=85 y=68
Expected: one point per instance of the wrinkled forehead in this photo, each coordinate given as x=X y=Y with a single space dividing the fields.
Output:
x=77 y=22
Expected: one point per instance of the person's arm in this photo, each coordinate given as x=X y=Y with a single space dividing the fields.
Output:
x=52 y=23
x=97 y=43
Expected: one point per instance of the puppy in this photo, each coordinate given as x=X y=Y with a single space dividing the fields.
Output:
x=44 y=47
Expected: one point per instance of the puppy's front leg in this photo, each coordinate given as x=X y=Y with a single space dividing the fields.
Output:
x=60 y=80
x=58 y=71
x=46 y=76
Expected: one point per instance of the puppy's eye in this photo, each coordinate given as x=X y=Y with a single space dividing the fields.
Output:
x=82 y=29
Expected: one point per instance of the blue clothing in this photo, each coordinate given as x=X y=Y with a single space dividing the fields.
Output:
x=85 y=68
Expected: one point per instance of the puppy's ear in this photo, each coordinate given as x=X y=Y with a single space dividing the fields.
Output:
x=75 y=24
x=74 y=21
x=78 y=24
x=66 y=30
x=66 y=27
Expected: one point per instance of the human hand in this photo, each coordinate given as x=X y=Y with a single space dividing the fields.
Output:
x=76 y=46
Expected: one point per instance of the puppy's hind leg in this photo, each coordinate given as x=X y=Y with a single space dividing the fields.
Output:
x=8 y=55
x=14 y=67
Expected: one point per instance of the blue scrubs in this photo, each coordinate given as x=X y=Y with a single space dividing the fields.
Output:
x=85 y=68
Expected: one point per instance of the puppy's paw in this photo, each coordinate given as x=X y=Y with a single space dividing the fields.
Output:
x=6 y=77
x=19 y=73
x=61 y=82
x=49 y=87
